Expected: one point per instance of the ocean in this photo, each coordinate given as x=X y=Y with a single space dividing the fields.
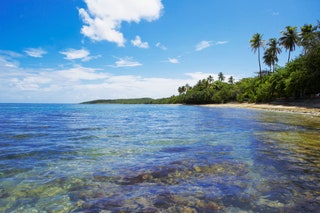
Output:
x=157 y=158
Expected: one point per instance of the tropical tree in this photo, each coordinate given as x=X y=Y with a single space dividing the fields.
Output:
x=221 y=76
x=271 y=54
x=188 y=87
x=210 y=79
x=256 y=42
x=289 y=39
x=182 y=90
x=230 y=80
x=267 y=58
x=307 y=37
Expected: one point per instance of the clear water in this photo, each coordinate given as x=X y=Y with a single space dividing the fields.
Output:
x=157 y=158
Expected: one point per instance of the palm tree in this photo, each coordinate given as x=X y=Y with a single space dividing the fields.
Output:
x=188 y=87
x=221 y=76
x=181 y=90
x=289 y=40
x=307 y=37
x=267 y=58
x=231 y=80
x=271 y=54
x=256 y=42
x=210 y=79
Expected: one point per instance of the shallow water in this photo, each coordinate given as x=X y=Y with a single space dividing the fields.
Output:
x=157 y=158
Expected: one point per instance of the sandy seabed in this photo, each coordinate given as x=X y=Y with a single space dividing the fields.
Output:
x=312 y=110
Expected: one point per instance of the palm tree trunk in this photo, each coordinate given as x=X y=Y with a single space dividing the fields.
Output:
x=273 y=67
x=289 y=56
x=260 y=74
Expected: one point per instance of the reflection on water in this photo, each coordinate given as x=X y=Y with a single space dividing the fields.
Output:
x=150 y=158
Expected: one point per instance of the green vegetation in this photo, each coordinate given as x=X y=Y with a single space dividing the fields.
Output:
x=298 y=79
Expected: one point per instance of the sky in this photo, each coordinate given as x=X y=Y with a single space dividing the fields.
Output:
x=70 y=51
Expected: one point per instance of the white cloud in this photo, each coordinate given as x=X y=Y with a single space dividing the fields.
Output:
x=205 y=44
x=161 y=46
x=79 y=73
x=201 y=75
x=8 y=59
x=35 y=52
x=72 y=54
x=78 y=83
x=221 y=42
x=6 y=62
x=102 y=19
x=30 y=82
x=10 y=54
x=173 y=60
x=195 y=76
x=138 y=43
x=126 y=62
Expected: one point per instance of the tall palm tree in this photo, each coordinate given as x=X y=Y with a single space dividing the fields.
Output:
x=182 y=90
x=271 y=54
x=267 y=58
x=289 y=40
x=307 y=37
x=210 y=79
x=231 y=80
x=256 y=42
x=221 y=76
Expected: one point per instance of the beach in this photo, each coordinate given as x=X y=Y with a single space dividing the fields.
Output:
x=312 y=109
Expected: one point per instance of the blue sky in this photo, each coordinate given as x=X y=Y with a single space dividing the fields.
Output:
x=68 y=51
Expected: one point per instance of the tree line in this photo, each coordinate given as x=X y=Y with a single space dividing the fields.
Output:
x=299 y=78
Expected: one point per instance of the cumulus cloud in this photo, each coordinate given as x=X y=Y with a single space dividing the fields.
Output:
x=126 y=62
x=138 y=43
x=102 y=18
x=35 y=52
x=42 y=80
x=205 y=44
x=79 y=83
x=30 y=82
x=72 y=54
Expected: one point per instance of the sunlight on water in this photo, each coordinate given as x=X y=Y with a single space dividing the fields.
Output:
x=151 y=158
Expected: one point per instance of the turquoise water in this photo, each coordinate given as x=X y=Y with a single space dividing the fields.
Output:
x=157 y=158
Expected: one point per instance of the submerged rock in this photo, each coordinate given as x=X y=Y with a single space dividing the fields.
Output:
x=181 y=209
x=56 y=204
x=208 y=206
x=107 y=203
x=4 y=193
x=149 y=210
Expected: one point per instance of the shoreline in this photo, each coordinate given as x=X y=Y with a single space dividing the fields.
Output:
x=312 y=110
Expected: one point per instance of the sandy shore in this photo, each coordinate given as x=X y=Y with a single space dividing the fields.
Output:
x=313 y=110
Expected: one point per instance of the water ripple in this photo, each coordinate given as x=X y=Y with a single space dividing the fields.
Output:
x=156 y=158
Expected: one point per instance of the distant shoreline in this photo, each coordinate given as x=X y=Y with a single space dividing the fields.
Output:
x=313 y=110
